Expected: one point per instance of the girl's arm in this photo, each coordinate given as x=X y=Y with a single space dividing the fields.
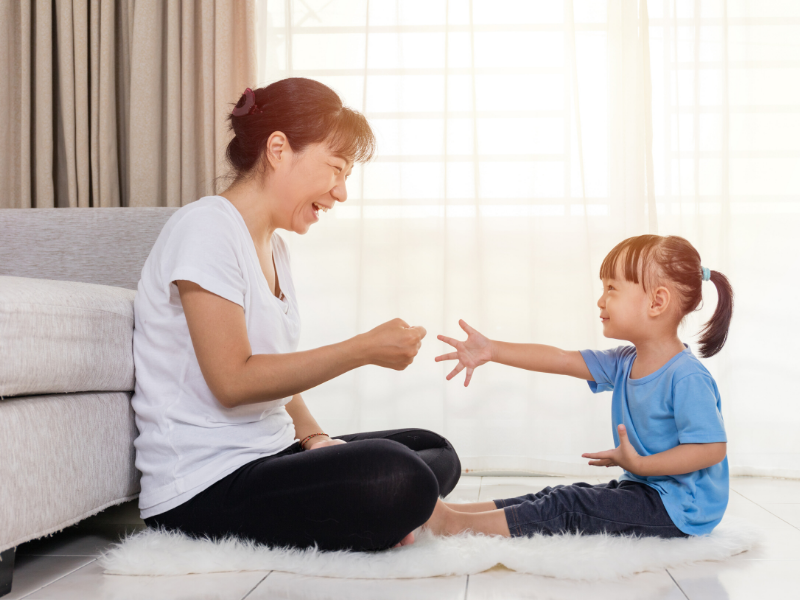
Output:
x=684 y=458
x=477 y=350
x=236 y=376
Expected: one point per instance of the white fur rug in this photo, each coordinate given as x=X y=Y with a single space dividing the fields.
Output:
x=591 y=558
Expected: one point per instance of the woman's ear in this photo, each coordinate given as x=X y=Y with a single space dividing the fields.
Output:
x=659 y=301
x=276 y=149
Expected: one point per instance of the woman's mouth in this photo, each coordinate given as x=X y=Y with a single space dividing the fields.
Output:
x=317 y=207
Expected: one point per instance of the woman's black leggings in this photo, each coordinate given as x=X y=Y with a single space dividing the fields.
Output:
x=367 y=494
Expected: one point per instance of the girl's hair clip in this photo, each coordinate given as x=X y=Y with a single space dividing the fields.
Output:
x=249 y=107
x=706 y=273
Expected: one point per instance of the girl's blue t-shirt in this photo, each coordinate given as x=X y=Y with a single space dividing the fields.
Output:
x=678 y=404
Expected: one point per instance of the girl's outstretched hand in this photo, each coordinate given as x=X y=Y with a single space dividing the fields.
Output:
x=471 y=353
x=624 y=455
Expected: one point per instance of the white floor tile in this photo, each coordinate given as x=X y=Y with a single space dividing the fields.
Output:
x=466 y=490
x=768 y=491
x=507 y=585
x=34 y=572
x=788 y=512
x=286 y=586
x=741 y=507
x=740 y=580
x=90 y=582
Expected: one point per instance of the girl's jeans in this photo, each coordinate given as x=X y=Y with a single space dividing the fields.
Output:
x=617 y=508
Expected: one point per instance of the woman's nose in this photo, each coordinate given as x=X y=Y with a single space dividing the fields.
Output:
x=339 y=192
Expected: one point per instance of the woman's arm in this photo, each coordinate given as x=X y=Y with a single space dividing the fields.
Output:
x=477 y=350
x=236 y=376
x=683 y=458
x=305 y=424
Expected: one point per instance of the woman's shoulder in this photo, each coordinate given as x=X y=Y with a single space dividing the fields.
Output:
x=209 y=217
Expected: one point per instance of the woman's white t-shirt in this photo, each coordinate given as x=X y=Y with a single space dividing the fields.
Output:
x=187 y=439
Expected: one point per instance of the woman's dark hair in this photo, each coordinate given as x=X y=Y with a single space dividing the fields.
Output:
x=648 y=259
x=308 y=112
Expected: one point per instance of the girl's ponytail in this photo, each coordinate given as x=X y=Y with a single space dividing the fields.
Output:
x=715 y=332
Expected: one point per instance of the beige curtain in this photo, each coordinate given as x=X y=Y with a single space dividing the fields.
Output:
x=119 y=103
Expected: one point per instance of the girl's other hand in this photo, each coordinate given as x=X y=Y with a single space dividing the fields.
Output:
x=624 y=455
x=473 y=352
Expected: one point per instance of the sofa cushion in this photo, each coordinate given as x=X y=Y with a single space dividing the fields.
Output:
x=64 y=457
x=64 y=336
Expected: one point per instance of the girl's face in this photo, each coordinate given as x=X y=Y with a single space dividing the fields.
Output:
x=309 y=184
x=623 y=309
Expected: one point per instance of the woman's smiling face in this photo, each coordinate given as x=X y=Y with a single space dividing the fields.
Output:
x=309 y=183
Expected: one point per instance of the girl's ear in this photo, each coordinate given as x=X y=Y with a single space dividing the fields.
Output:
x=659 y=301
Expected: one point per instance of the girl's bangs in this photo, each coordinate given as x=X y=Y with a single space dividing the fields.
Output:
x=629 y=259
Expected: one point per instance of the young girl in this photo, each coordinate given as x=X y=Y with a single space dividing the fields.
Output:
x=668 y=429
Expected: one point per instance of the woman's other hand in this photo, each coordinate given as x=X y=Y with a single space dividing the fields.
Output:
x=473 y=352
x=323 y=442
x=393 y=345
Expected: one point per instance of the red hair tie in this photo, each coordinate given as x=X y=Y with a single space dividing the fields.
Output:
x=249 y=107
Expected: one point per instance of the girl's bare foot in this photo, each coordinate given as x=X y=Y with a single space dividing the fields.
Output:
x=406 y=541
x=446 y=521
x=471 y=507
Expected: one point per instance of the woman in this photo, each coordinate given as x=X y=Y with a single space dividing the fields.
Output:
x=226 y=444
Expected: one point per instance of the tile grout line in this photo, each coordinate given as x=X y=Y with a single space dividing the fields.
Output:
x=766 y=509
x=58 y=579
x=466 y=589
x=478 y=499
x=676 y=583
x=260 y=581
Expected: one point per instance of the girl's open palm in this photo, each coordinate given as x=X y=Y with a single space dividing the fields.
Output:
x=471 y=353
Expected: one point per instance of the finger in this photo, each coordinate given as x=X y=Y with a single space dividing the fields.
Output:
x=469 y=376
x=622 y=432
x=451 y=356
x=599 y=463
x=604 y=454
x=401 y=323
x=456 y=371
x=463 y=324
x=448 y=340
x=422 y=331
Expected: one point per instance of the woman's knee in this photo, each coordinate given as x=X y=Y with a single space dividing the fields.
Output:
x=402 y=479
x=441 y=457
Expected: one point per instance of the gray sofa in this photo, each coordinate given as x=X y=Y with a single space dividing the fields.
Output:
x=66 y=365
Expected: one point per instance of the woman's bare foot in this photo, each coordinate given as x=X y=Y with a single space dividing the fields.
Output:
x=406 y=541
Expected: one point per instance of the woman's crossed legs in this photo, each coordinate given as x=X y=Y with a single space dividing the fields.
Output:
x=367 y=494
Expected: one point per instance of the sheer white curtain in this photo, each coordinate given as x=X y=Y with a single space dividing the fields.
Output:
x=518 y=142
